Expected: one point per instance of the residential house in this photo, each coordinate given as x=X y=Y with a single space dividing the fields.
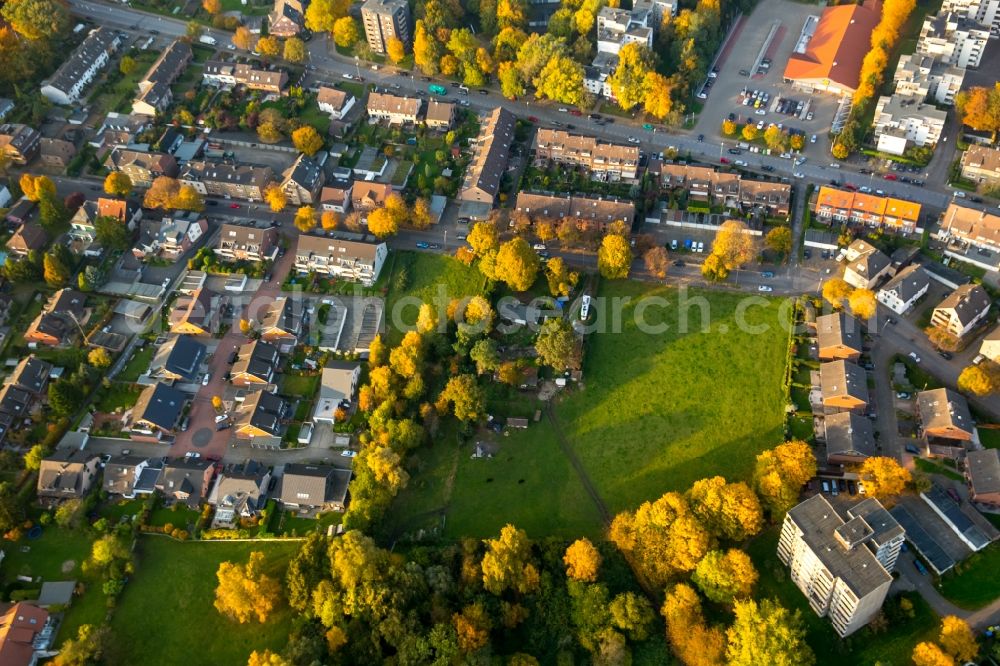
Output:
x=336 y=389
x=903 y=291
x=334 y=102
x=981 y=164
x=385 y=20
x=231 y=181
x=286 y=19
x=868 y=209
x=21 y=212
x=24 y=628
x=953 y=39
x=179 y=359
x=118 y=129
x=841 y=560
x=28 y=237
x=596 y=210
x=849 y=438
x=19 y=142
x=186 y=481
x=82 y=225
x=170 y=237
x=281 y=324
x=229 y=74
x=367 y=196
x=314 y=487
x=64 y=315
x=337 y=196
x=239 y=242
x=302 y=181
x=256 y=364
x=945 y=421
x=6 y=106
x=605 y=160
x=838 y=336
x=394 y=109
x=866 y=265
x=130 y=476
x=31 y=374
x=240 y=492
x=828 y=59
x=727 y=189
x=55 y=153
x=928 y=78
x=154 y=89
x=197 y=313
x=990 y=347
x=157 y=412
x=440 y=115
x=982 y=471
x=66 y=474
x=962 y=310
x=972 y=235
x=15 y=404
x=355 y=260
x=904 y=121
x=843 y=387
x=67 y=83
x=261 y=414
x=491 y=150
x=141 y=168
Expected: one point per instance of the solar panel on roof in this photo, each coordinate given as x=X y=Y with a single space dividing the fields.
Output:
x=922 y=541
x=961 y=523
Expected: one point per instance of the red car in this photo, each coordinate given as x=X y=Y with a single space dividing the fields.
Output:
x=575 y=112
x=890 y=176
x=851 y=186
x=234 y=205
x=724 y=160
x=532 y=119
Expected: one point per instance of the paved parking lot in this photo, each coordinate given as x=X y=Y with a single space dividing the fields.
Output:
x=725 y=96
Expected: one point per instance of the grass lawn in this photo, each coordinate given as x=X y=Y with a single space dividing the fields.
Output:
x=931 y=467
x=177 y=515
x=430 y=278
x=863 y=648
x=118 y=396
x=295 y=526
x=171 y=596
x=974 y=583
x=301 y=386
x=990 y=437
x=138 y=364
x=661 y=411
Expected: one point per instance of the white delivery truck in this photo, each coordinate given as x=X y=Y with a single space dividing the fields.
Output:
x=207 y=39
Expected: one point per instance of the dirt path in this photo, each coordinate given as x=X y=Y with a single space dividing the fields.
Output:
x=581 y=473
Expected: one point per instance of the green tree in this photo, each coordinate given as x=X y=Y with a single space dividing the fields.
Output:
x=33 y=458
x=723 y=577
x=484 y=354
x=465 y=396
x=779 y=240
x=86 y=649
x=111 y=233
x=632 y=614
x=65 y=396
x=556 y=345
x=767 y=633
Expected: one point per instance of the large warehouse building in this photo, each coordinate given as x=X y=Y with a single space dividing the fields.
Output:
x=828 y=55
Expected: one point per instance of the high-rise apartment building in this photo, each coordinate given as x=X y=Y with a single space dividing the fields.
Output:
x=385 y=19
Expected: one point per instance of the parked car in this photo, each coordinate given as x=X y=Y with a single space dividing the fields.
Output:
x=903 y=395
x=678 y=263
x=206 y=379
x=913 y=355
x=764 y=288
x=767 y=274
x=910 y=448
x=234 y=206
x=945 y=354
x=347 y=453
x=919 y=566
x=422 y=246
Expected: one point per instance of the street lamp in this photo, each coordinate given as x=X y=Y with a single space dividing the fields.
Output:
x=357 y=67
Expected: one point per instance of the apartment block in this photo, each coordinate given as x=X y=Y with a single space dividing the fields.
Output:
x=962 y=310
x=903 y=121
x=981 y=164
x=383 y=20
x=19 y=142
x=394 y=109
x=239 y=242
x=67 y=84
x=605 y=160
x=868 y=209
x=928 y=78
x=141 y=167
x=842 y=562
x=354 y=260
x=491 y=151
x=546 y=205
x=223 y=179
x=220 y=73
x=953 y=39
x=728 y=189
x=984 y=12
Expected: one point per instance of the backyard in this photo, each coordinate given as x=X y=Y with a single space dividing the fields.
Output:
x=973 y=583
x=170 y=600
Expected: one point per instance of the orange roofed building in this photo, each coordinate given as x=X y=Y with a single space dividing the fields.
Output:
x=868 y=209
x=829 y=53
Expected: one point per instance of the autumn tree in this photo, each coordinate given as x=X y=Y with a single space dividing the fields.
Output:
x=723 y=577
x=329 y=220
x=426 y=51
x=37 y=19
x=275 y=197
x=779 y=474
x=980 y=380
x=561 y=80
x=464 y=395
x=728 y=127
x=664 y=538
x=884 y=478
x=294 y=50
x=749 y=132
x=483 y=238
x=862 y=303
x=929 y=654
x=840 y=151
x=628 y=81
x=99 y=358
x=582 y=560
x=957 y=639
x=307 y=140
x=692 y=641
x=733 y=245
x=779 y=240
x=657 y=261
x=507 y=563
x=511 y=83
x=245 y=592
x=268 y=47
x=561 y=280
x=835 y=291
x=395 y=49
x=55 y=270
x=658 y=102
x=118 y=184
x=345 y=32
x=517 y=264
x=485 y=355
x=472 y=627
x=556 y=345
x=729 y=510
x=213 y=7
x=614 y=258
x=36 y=188
x=980 y=108
x=420 y=213
x=242 y=38
x=382 y=222
x=322 y=15
x=767 y=633
x=305 y=219
x=266 y=658
x=88 y=647
x=161 y=192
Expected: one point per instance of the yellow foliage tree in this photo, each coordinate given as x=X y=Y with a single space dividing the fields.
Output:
x=728 y=127
x=614 y=257
x=420 y=214
x=484 y=238
x=884 y=478
x=245 y=592
x=862 y=303
x=723 y=577
x=507 y=563
x=213 y=7
x=517 y=264
x=835 y=291
x=395 y=49
x=733 y=245
x=307 y=140
x=275 y=197
x=779 y=474
x=840 y=151
x=266 y=658
x=767 y=633
x=382 y=222
x=749 y=132
x=99 y=358
x=472 y=627
x=980 y=380
x=118 y=184
x=329 y=220
x=582 y=561
x=729 y=510
x=217 y=403
x=957 y=639
x=268 y=46
x=305 y=219
x=929 y=654
x=427 y=319
x=345 y=32
x=692 y=641
x=242 y=38
x=294 y=50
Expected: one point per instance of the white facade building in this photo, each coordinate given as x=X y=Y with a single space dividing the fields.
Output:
x=904 y=121
x=984 y=12
x=66 y=85
x=928 y=78
x=953 y=40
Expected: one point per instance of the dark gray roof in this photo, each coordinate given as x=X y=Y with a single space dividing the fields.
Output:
x=849 y=434
x=839 y=378
x=119 y=474
x=926 y=545
x=908 y=283
x=984 y=471
x=98 y=42
x=257 y=358
x=305 y=173
x=281 y=315
x=15 y=401
x=181 y=356
x=184 y=476
x=314 y=485
x=838 y=329
x=959 y=522
x=160 y=405
x=31 y=374
x=967 y=301
x=871 y=262
x=944 y=409
x=265 y=411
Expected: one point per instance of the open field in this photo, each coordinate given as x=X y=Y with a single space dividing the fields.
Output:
x=661 y=411
x=167 y=606
x=864 y=648
x=973 y=582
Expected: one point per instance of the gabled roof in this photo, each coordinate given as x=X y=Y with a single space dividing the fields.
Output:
x=99 y=42
x=482 y=179
x=160 y=405
x=966 y=302
x=281 y=315
x=984 y=471
x=182 y=355
x=944 y=410
x=393 y=104
x=837 y=329
x=908 y=283
x=837 y=47
x=20 y=623
x=31 y=374
x=843 y=378
x=258 y=359
x=195 y=309
x=332 y=96
x=849 y=434
x=304 y=172
x=313 y=485
x=340 y=248
x=184 y=476
x=264 y=411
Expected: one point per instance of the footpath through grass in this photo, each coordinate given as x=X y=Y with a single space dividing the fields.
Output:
x=167 y=607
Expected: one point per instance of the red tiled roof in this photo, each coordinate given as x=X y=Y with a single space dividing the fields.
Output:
x=837 y=47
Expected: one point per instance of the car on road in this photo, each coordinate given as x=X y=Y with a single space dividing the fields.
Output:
x=226 y=425
x=812 y=139
x=724 y=160
x=945 y=355
x=735 y=151
x=799 y=174
x=532 y=119
x=761 y=112
x=232 y=357
x=234 y=206
x=767 y=274
x=959 y=194
x=701 y=138
x=434 y=246
x=207 y=378
x=903 y=395
x=744 y=72
x=913 y=355
x=347 y=453
x=192 y=455
x=461 y=237
x=575 y=112
x=422 y=246
x=673 y=244
x=910 y=448
x=212 y=203
x=648 y=127
x=463 y=102
x=678 y=263
x=767 y=168
x=632 y=139
x=740 y=163
x=563 y=109
x=484 y=91
x=890 y=176
x=765 y=288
